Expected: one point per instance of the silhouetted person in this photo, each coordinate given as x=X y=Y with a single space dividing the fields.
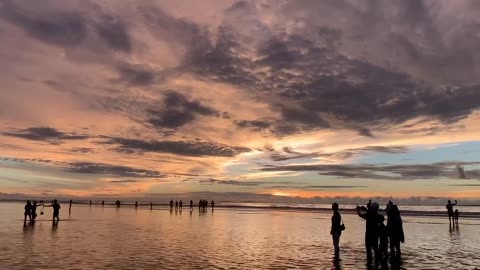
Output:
x=388 y=208
x=176 y=205
x=450 y=212
x=56 y=210
x=33 y=211
x=200 y=205
x=213 y=205
x=456 y=215
x=191 y=205
x=136 y=204
x=205 y=204
x=181 y=205
x=336 y=229
x=103 y=203
x=369 y=204
x=90 y=203
x=373 y=220
x=117 y=203
x=28 y=212
x=395 y=232
x=171 y=205
x=383 y=237
x=151 y=206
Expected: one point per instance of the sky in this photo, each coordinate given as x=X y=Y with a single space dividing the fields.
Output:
x=240 y=99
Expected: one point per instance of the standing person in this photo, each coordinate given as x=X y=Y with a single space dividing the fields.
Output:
x=28 y=212
x=181 y=205
x=103 y=203
x=200 y=205
x=136 y=204
x=33 y=211
x=56 y=210
x=176 y=206
x=205 y=204
x=388 y=208
x=171 y=205
x=213 y=205
x=191 y=205
x=457 y=215
x=373 y=220
x=395 y=232
x=90 y=204
x=369 y=204
x=449 y=207
x=151 y=206
x=117 y=203
x=336 y=229
x=70 y=208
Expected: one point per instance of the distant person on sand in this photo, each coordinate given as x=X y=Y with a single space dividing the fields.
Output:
x=90 y=203
x=103 y=203
x=181 y=205
x=136 y=204
x=176 y=205
x=369 y=204
x=70 y=208
x=56 y=210
x=200 y=205
x=28 y=212
x=373 y=219
x=457 y=215
x=213 y=205
x=117 y=203
x=336 y=229
x=191 y=205
x=151 y=206
x=450 y=212
x=171 y=205
x=395 y=232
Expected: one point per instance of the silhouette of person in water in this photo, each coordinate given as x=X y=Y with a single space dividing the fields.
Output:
x=56 y=210
x=336 y=229
x=90 y=204
x=171 y=205
x=176 y=205
x=450 y=212
x=373 y=219
x=117 y=203
x=151 y=206
x=395 y=232
x=103 y=203
x=33 y=211
x=213 y=205
x=70 y=208
x=28 y=212
x=456 y=215
x=200 y=202
x=181 y=205
x=136 y=204
x=191 y=205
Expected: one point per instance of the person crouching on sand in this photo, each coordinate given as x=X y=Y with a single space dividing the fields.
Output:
x=56 y=210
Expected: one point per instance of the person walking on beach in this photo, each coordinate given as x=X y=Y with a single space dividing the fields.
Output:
x=191 y=205
x=33 y=211
x=336 y=229
x=457 y=215
x=171 y=205
x=70 y=208
x=200 y=205
x=395 y=232
x=28 y=212
x=213 y=205
x=450 y=212
x=90 y=204
x=103 y=203
x=176 y=206
x=117 y=203
x=136 y=204
x=373 y=220
x=56 y=210
x=181 y=205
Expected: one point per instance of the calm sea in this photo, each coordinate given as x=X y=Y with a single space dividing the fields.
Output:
x=231 y=238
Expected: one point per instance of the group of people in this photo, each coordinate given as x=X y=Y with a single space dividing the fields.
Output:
x=377 y=234
x=31 y=210
x=202 y=205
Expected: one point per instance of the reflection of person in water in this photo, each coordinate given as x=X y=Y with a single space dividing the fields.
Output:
x=450 y=212
x=373 y=219
x=56 y=209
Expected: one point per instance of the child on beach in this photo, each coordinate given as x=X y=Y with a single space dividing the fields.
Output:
x=456 y=215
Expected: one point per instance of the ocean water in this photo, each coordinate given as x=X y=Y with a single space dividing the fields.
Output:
x=109 y=238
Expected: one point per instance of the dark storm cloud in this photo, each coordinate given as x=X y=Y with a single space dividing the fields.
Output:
x=63 y=29
x=184 y=148
x=368 y=171
x=44 y=134
x=115 y=170
x=178 y=110
x=114 y=33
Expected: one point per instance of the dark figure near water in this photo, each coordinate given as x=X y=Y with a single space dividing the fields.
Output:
x=70 y=208
x=56 y=210
x=336 y=229
x=395 y=232
x=103 y=203
x=117 y=203
x=383 y=237
x=369 y=204
x=191 y=205
x=28 y=212
x=205 y=204
x=388 y=208
x=151 y=206
x=200 y=203
x=181 y=205
x=176 y=205
x=450 y=212
x=90 y=203
x=373 y=220
x=213 y=205
x=171 y=205
x=457 y=215
x=136 y=204
x=33 y=211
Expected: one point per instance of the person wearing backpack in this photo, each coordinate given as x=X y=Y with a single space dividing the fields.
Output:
x=337 y=228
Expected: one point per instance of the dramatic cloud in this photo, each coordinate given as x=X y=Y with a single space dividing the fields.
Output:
x=44 y=134
x=115 y=170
